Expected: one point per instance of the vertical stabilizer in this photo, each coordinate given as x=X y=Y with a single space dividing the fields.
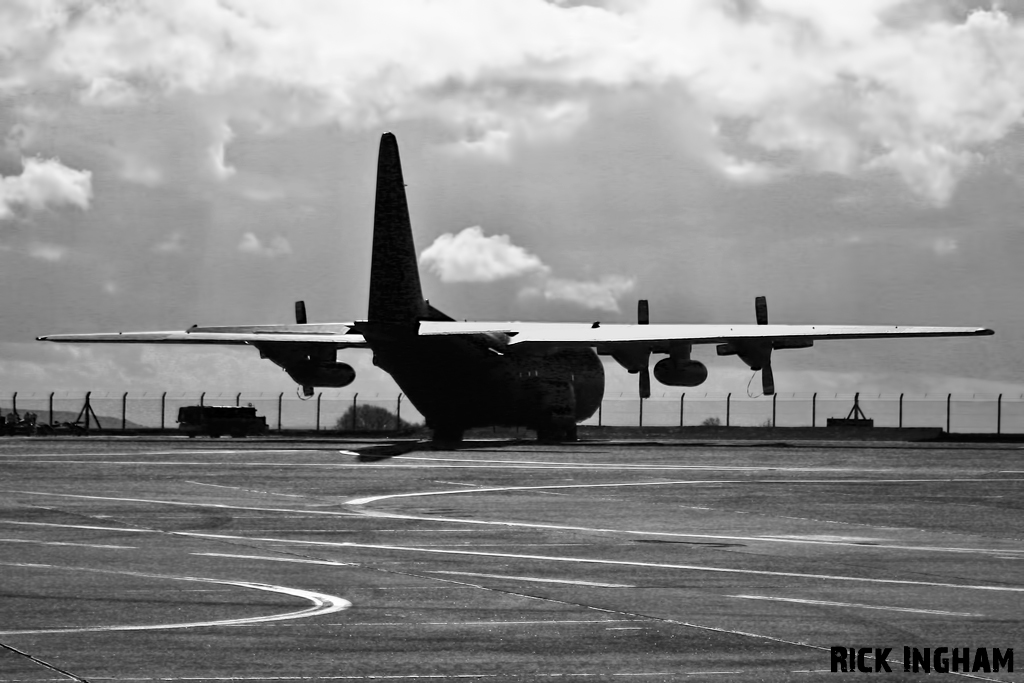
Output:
x=395 y=294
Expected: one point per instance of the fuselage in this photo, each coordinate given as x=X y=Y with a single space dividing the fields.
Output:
x=461 y=382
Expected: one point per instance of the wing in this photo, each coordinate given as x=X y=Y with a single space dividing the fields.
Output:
x=660 y=338
x=336 y=335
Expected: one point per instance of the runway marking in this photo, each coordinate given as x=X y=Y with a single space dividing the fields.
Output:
x=559 y=527
x=828 y=603
x=278 y=559
x=554 y=622
x=80 y=545
x=219 y=506
x=239 y=488
x=626 y=466
x=81 y=526
x=323 y=603
x=585 y=560
x=389 y=677
x=716 y=482
x=538 y=580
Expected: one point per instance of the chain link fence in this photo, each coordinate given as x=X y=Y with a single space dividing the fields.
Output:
x=334 y=411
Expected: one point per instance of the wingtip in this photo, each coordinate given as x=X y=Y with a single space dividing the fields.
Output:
x=986 y=332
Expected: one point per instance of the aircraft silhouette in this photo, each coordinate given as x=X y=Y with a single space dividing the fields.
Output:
x=543 y=376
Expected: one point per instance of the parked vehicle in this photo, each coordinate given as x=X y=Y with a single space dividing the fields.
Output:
x=216 y=420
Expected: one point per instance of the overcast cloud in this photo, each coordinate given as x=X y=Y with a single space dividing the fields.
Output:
x=170 y=163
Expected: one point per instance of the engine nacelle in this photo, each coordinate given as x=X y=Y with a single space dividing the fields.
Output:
x=322 y=374
x=679 y=372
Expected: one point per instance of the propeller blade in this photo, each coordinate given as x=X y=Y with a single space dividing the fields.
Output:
x=300 y=312
x=645 y=383
x=761 y=310
x=643 y=312
x=767 y=380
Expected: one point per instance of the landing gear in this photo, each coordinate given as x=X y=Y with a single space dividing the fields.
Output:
x=557 y=433
x=447 y=437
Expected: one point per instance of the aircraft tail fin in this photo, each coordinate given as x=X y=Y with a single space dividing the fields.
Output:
x=395 y=293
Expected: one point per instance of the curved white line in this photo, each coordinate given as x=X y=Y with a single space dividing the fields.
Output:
x=323 y=603
x=1007 y=552
x=498 y=489
x=625 y=563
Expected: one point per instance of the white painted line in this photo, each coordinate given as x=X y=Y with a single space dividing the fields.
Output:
x=540 y=622
x=621 y=563
x=674 y=534
x=538 y=580
x=219 y=506
x=239 y=488
x=714 y=482
x=387 y=677
x=279 y=559
x=828 y=603
x=548 y=464
x=323 y=603
x=79 y=545
x=81 y=526
x=755 y=539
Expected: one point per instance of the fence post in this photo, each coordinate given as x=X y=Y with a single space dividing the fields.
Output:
x=238 y=399
x=280 y=400
x=728 y=407
x=14 y=404
x=998 y=415
x=124 y=411
x=901 y=411
x=163 y=408
x=775 y=397
x=814 y=410
x=398 y=414
x=202 y=398
x=354 y=406
x=682 y=400
x=318 y=396
x=949 y=400
x=50 y=422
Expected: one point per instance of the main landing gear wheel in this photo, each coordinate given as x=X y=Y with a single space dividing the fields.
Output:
x=447 y=437
x=556 y=433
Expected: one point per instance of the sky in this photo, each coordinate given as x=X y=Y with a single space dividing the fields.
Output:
x=212 y=161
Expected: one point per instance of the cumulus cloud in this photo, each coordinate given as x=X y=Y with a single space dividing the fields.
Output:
x=278 y=246
x=175 y=243
x=471 y=256
x=920 y=89
x=43 y=251
x=44 y=183
x=599 y=295
x=944 y=246
x=217 y=151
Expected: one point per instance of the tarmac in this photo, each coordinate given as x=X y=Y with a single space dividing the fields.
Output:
x=169 y=559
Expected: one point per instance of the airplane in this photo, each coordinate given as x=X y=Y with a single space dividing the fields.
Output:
x=545 y=376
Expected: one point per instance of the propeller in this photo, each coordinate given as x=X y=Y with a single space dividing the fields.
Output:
x=300 y=319
x=767 y=376
x=643 y=317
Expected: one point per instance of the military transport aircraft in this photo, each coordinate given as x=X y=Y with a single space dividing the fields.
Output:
x=540 y=375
